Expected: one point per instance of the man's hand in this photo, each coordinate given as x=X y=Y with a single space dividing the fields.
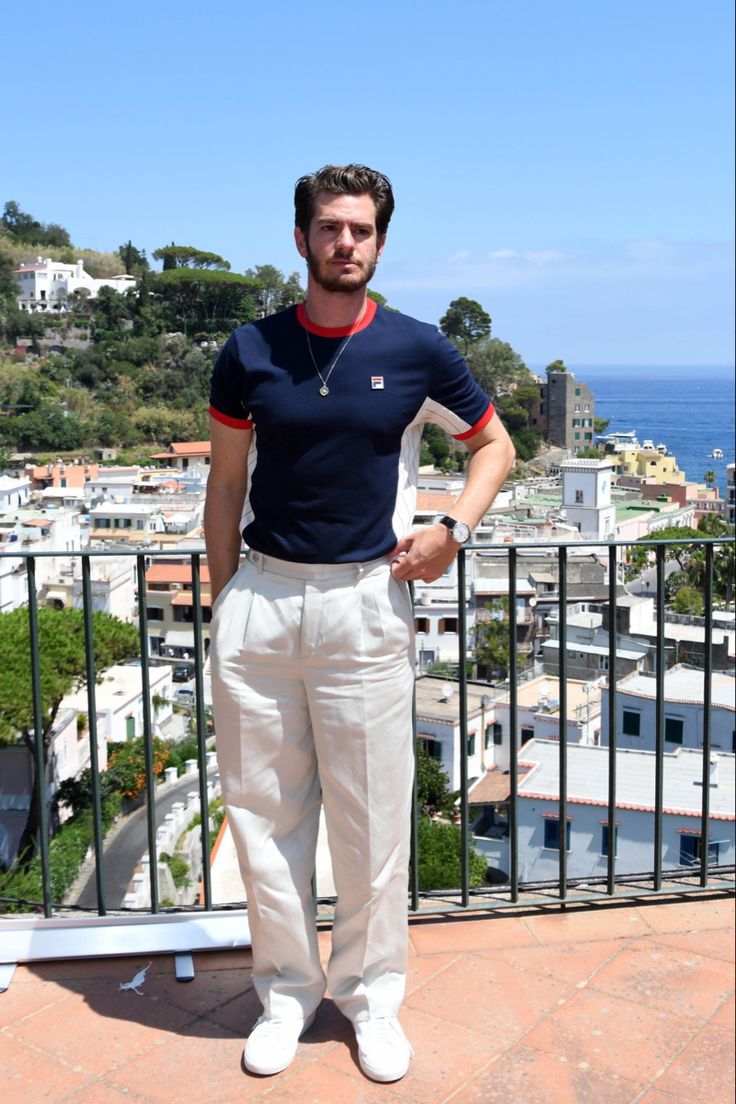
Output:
x=425 y=554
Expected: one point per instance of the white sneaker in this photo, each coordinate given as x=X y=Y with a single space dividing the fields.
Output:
x=272 y=1044
x=384 y=1051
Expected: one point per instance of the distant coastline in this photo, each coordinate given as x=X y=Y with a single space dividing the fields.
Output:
x=658 y=371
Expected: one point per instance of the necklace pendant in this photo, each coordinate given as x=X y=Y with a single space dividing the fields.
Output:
x=324 y=389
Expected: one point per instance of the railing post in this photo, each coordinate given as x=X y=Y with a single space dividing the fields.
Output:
x=659 y=722
x=463 y=673
x=147 y=733
x=707 y=706
x=513 y=735
x=94 y=766
x=39 y=755
x=612 y=734
x=562 y=692
x=201 y=726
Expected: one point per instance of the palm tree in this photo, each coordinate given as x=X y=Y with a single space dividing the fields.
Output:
x=710 y=477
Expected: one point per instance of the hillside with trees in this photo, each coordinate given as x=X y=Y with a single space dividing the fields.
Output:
x=132 y=370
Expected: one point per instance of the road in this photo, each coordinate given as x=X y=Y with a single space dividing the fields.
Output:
x=130 y=841
x=646 y=583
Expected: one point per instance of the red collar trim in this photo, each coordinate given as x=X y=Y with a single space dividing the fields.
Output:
x=338 y=331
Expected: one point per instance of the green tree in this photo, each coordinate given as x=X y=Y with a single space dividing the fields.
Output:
x=688 y=600
x=440 y=849
x=556 y=366
x=465 y=323
x=135 y=262
x=497 y=367
x=710 y=477
x=186 y=256
x=433 y=786
x=61 y=657
x=601 y=424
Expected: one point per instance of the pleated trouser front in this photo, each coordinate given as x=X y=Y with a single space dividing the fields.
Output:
x=312 y=675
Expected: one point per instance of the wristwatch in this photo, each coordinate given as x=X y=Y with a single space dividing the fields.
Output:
x=459 y=530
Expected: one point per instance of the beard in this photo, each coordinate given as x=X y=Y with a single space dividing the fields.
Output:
x=340 y=281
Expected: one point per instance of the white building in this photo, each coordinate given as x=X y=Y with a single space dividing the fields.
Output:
x=587 y=812
x=47 y=285
x=438 y=725
x=13 y=575
x=586 y=497
x=14 y=492
x=636 y=704
x=119 y=704
x=112 y=583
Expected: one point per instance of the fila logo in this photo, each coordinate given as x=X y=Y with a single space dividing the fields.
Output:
x=377 y=383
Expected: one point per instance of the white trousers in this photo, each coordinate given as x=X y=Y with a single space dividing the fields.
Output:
x=312 y=675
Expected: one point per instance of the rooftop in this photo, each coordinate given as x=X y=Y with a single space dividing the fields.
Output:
x=587 y=778
x=682 y=684
x=592 y=1005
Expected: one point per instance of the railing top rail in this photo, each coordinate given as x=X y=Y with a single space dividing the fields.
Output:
x=494 y=546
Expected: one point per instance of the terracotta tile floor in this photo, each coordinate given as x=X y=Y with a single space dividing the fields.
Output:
x=607 y=1004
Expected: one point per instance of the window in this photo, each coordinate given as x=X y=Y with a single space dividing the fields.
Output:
x=577 y=436
x=691 y=850
x=471 y=743
x=155 y=613
x=129 y=727
x=448 y=624
x=527 y=734
x=577 y=392
x=497 y=733
x=421 y=624
x=631 y=723
x=578 y=494
x=552 y=835
x=602 y=662
x=432 y=747
x=604 y=840
x=673 y=729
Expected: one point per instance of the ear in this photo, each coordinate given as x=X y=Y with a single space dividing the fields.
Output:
x=301 y=241
x=379 y=247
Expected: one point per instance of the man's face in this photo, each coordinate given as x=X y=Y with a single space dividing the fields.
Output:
x=342 y=248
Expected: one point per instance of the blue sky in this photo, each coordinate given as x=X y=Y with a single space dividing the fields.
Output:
x=569 y=164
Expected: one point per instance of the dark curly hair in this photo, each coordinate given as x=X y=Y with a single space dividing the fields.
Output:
x=343 y=180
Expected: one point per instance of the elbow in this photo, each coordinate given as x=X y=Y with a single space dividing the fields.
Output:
x=510 y=456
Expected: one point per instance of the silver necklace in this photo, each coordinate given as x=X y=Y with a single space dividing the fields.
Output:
x=324 y=389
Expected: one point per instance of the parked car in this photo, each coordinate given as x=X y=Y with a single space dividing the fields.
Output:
x=184 y=696
x=182 y=672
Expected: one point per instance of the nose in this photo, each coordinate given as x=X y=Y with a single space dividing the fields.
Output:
x=345 y=240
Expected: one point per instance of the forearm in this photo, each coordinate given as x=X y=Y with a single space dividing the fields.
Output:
x=222 y=535
x=487 y=472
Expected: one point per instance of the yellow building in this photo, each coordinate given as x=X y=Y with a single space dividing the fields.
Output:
x=647 y=464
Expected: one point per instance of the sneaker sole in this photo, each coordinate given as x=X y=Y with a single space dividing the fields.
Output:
x=382 y=1076
x=269 y=1071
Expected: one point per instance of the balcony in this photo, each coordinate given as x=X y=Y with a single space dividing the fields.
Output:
x=590 y=1004
x=602 y=988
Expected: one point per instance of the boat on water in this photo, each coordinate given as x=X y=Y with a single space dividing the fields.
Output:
x=648 y=445
x=662 y=449
x=717 y=454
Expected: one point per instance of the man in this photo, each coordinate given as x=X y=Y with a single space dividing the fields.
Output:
x=316 y=420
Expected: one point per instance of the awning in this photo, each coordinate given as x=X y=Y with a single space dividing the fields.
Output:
x=178 y=639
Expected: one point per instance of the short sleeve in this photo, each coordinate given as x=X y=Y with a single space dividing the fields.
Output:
x=455 y=401
x=227 y=388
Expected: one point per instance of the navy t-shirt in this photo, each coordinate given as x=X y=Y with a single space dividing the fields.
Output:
x=332 y=479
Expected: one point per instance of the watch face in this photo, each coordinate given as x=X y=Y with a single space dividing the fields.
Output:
x=461 y=532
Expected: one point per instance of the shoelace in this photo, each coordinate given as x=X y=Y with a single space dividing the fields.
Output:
x=269 y=1026
x=384 y=1031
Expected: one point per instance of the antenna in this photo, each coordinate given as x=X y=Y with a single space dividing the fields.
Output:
x=447 y=691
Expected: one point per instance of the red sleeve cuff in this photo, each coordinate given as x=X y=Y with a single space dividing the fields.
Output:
x=234 y=423
x=484 y=420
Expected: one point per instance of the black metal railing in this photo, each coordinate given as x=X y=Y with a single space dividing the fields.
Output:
x=459 y=897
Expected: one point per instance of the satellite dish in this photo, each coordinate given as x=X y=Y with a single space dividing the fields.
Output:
x=544 y=689
x=485 y=700
x=447 y=691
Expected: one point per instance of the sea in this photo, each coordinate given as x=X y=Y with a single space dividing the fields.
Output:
x=690 y=410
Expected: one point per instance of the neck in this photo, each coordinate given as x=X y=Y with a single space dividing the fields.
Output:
x=334 y=309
